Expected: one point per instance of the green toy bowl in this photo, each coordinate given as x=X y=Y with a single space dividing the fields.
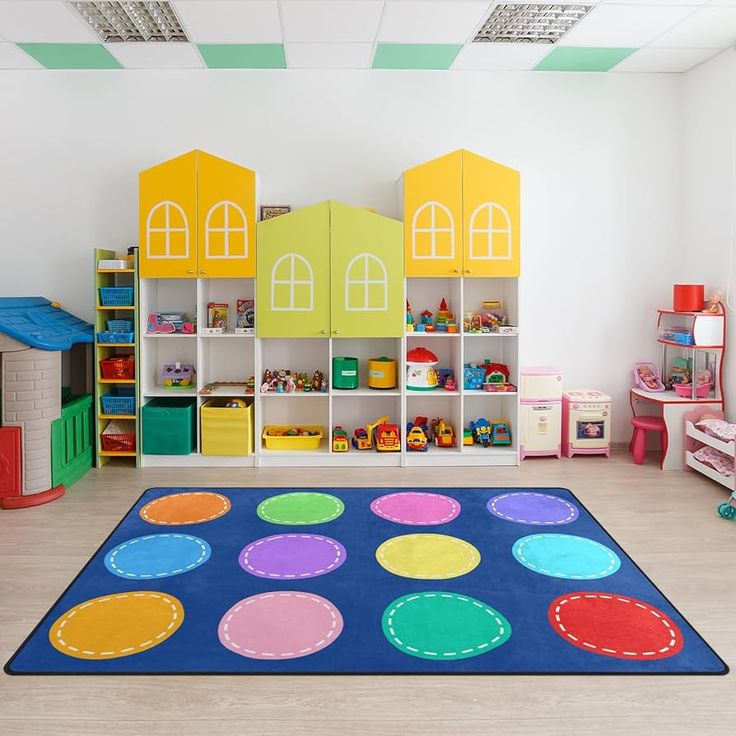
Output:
x=727 y=511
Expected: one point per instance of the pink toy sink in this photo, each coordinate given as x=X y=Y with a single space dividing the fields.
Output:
x=685 y=390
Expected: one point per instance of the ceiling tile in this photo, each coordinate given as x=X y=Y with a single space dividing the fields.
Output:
x=71 y=55
x=500 y=56
x=11 y=57
x=415 y=55
x=431 y=21
x=328 y=55
x=664 y=60
x=230 y=21
x=156 y=55
x=336 y=21
x=624 y=25
x=40 y=21
x=582 y=59
x=243 y=55
x=708 y=27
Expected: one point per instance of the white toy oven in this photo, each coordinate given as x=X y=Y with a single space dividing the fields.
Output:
x=586 y=423
x=540 y=389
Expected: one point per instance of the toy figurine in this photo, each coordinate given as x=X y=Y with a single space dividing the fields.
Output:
x=713 y=305
x=317 y=380
x=481 y=431
x=427 y=321
x=290 y=385
x=409 y=318
x=450 y=384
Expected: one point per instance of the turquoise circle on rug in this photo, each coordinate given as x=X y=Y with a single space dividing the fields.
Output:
x=157 y=556
x=442 y=626
x=566 y=556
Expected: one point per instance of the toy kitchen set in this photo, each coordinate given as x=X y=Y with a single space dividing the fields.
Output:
x=554 y=422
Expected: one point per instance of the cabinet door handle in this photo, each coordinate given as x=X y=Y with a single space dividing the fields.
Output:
x=324 y=332
x=467 y=270
x=456 y=270
x=202 y=271
x=191 y=270
x=336 y=332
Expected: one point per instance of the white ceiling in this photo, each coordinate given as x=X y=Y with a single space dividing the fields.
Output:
x=669 y=35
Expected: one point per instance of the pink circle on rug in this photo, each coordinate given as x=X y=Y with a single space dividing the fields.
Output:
x=283 y=624
x=416 y=508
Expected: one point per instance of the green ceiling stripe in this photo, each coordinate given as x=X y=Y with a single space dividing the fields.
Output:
x=415 y=55
x=71 y=55
x=582 y=59
x=243 y=55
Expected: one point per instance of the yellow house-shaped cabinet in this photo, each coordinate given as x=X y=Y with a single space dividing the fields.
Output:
x=330 y=270
x=197 y=219
x=461 y=217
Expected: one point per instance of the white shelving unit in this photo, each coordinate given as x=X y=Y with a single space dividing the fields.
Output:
x=233 y=357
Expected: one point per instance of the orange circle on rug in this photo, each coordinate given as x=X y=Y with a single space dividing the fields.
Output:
x=614 y=626
x=117 y=625
x=195 y=507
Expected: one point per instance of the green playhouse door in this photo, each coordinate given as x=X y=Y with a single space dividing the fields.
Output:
x=293 y=283
x=72 y=441
x=367 y=274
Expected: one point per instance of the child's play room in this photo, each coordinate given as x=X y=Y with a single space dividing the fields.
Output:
x=365 y=367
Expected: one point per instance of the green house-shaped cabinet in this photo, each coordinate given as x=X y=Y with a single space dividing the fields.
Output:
x=330 y=270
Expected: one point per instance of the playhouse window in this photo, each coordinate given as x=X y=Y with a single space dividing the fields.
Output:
x=490 y=233
x=292 y=284
x=366 y=284
x=433 y=232
x=167 y=231
x=226 y=231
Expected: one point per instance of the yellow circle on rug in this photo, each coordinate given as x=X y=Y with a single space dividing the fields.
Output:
x=427 y=556
x=117 y=625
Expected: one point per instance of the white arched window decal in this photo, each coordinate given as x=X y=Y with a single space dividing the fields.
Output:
x=292 y=284
x=232 y=236
x=168 y=232
x=425 y=242
x=490 y=235
x=371 y=289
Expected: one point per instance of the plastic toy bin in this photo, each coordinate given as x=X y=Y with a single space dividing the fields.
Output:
x=275 y=438
x=226 y=430
x=169 y=426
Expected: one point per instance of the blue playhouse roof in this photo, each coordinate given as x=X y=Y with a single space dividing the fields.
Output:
x=34 y=321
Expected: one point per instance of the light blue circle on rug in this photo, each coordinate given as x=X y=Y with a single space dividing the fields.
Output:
x=157 y=556
x=566 y=556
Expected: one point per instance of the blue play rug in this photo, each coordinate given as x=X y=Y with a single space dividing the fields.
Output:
x=362 y=580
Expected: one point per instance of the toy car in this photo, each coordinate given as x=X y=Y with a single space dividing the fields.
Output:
x=481 y=431
x=362 y=440
x=340 y=440
x=416 y=437
x=388 y=438
x=443 y=434
x=500 y=433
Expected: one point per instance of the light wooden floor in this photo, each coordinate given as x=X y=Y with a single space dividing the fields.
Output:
x=666 y=521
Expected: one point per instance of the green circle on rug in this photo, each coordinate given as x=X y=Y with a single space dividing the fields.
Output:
x=441 y=626
x=300 y=507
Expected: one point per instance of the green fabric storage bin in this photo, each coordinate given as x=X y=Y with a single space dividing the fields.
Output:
x=170 y=426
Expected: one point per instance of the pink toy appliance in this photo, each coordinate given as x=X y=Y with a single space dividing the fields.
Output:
x=586 y=423
x=540 y=391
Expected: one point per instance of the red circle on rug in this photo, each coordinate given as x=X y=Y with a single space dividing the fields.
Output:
x=614 y=626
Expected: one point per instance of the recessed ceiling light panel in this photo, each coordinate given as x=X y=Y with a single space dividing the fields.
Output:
x=530 y=22
x=116 y=22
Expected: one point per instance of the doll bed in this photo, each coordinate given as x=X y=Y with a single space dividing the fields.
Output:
x=708 y=449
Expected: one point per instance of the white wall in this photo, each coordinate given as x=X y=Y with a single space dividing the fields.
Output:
x=710 y=188
x=600 y=157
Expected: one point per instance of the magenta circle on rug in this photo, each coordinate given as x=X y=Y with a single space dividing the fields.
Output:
x=537 y=509
x=292 y=556
x=416 y=508
x=283 y=624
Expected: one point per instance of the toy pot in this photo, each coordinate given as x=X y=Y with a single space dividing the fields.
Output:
x=421 y=374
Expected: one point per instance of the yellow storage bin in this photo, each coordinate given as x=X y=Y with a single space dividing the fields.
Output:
x=275 y=437
x=227 y=430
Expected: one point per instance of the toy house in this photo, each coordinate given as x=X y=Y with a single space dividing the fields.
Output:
x=46 y=436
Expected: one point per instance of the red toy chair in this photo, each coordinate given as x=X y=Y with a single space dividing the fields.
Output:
x=638 y=444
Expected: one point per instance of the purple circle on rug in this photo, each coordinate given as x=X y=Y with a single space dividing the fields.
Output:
x=536 y=509
x=292 y=556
